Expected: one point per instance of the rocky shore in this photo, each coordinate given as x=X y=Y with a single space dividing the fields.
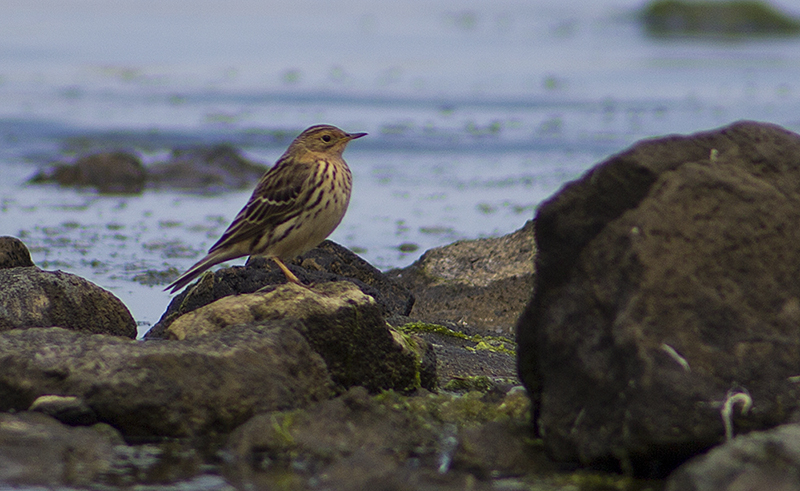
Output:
x=640 y=333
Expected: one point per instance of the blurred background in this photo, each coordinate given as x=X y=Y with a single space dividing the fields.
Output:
x=476 y=111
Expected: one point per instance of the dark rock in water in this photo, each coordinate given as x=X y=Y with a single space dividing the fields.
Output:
x=209 y=169
x=483 y=283
x=108 y=172
x=30 y=297
x=14 y=253
x=341 y=323
x=206 y=169
x=36 y=450
x=327 y=262
x=209 y=384
x=667 y=298
x=727 y=18
x=759 y=461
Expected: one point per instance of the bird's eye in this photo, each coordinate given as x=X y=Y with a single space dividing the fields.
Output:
x=326 y=138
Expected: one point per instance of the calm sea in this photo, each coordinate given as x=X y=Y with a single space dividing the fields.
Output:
x=476 y=112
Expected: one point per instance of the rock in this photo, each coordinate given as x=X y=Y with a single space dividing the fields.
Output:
x=356 y=441
x=732 y=18
x=36 y=450
x=327 y=262
x=666 y=290
x=468 y=296
x=210 y=169
x=330 y=261
x=483 y=283
x=210 y=384
x=14 y=253
x=466 y=360
x=759 y=461
x=342 y=324
x=31 y=297
x=69 y=410
x=108 y=172
x=495 y=448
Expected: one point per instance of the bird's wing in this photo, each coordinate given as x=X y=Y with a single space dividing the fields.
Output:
x=273 y=201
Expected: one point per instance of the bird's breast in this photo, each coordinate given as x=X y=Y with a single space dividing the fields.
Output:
x=325 y=205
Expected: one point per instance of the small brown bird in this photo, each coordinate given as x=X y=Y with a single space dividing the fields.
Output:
x=295 y=206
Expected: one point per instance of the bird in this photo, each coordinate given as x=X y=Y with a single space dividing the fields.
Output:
x=296 y=205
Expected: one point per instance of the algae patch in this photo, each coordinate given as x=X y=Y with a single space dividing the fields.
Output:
x=494 y=344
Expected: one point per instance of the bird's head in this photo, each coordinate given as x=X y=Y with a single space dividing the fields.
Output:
x=324 y=139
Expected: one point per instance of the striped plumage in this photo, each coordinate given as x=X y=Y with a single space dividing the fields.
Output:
x=295 y=206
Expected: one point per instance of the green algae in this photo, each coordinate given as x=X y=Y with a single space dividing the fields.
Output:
x=153 y=277
x=460 y=409
x=442 y=436
x=411 y=344
x=477 y=383
x=480 y=383
x=494 y=344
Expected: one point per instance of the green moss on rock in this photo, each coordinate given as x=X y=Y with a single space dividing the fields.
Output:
x=495 y=344
x=737 y=18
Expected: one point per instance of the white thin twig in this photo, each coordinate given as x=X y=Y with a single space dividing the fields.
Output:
x=675 y=356
x=727 y=410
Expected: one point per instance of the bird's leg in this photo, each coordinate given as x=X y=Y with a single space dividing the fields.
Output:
x=289 y=275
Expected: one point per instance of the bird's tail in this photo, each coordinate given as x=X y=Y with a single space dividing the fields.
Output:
x=199 y=268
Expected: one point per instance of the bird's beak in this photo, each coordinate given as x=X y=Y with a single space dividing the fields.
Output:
x=353 y=136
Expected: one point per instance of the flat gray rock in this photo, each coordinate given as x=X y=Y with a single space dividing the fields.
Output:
x=759 y=461
x=483 y=284
x=168 y=388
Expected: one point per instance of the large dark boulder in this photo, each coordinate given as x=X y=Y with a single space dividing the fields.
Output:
x=666 y=291
x=31 y=297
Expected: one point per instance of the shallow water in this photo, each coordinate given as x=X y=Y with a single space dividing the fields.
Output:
x=476 y=113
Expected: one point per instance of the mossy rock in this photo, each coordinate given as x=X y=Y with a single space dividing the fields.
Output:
x=738 y=18
x=467 y=360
